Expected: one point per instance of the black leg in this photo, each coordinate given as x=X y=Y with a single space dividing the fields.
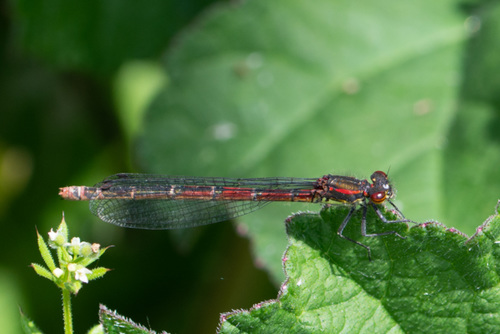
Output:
x=364 y=207
x=363 y=226
x=385 y=220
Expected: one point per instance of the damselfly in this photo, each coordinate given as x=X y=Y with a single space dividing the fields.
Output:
x=149 y=201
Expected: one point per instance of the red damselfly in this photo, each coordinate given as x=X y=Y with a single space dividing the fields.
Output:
x=148 y=201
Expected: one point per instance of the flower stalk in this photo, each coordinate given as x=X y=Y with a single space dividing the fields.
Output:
x=71 y=271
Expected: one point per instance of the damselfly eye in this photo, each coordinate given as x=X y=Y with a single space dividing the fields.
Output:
x=378 y=197
x=378 y=175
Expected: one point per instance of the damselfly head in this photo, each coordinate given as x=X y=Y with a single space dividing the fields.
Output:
x=380 y=189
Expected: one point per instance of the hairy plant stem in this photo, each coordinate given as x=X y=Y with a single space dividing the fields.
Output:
x=68 y=319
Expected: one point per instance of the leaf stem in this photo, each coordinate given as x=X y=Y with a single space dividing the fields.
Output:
x=68 y=319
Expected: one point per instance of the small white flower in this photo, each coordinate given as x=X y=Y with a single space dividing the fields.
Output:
x=81 y=275
x=74 y=246
x=58 y=272
x=75 y=242
x=72 y=266
x=56 y=238
x=53 y=235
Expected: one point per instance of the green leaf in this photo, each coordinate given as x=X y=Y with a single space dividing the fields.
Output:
x=42 y=271
x=62 y=253
x=63 y=229
x=135 y=85
x=97 y=273
x=433 y=281
x=29 y=326
x=115 y=323
x=86 y=261
x=285 y=88
x=45 y=252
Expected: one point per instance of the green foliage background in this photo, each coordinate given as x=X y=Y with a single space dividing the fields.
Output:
x=256 y=88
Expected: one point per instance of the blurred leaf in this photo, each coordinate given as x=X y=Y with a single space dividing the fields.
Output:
x=470 y=177
x=29 y=326
x=291 y=89
x=98 y=36
x=97 y=329
x=434 y=281
x=135 y=85
x=10 y=295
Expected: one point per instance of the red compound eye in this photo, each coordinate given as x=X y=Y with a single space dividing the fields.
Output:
x=378 y=197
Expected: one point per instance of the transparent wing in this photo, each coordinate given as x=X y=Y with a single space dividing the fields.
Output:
x=170 y=213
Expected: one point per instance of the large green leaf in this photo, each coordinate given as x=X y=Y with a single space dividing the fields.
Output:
x=436 y=280
x=287 y=88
